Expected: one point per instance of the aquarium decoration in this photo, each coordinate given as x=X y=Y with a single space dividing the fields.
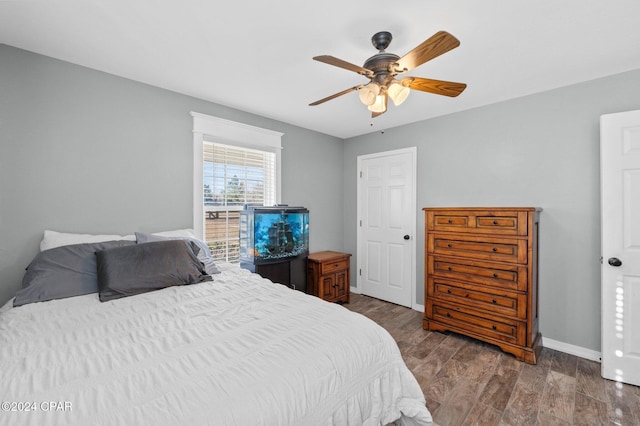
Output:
x=273 y=234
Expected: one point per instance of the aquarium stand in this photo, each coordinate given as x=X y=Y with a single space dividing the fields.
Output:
x=290 y=272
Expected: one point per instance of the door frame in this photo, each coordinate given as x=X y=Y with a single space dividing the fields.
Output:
x=413 y=222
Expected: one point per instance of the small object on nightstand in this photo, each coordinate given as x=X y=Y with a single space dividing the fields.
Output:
x=328 y=276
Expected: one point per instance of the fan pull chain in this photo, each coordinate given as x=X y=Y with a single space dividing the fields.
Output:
x=382 y=129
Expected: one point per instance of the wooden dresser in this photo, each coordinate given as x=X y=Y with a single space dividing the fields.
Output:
x=481 y=276
x=328 y=276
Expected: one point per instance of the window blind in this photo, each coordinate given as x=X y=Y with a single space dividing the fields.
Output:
x=233 y=176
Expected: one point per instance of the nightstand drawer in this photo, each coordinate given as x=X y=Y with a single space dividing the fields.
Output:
x=500 y=275
x=469 y=246
x=334 y=265
x=486 y=299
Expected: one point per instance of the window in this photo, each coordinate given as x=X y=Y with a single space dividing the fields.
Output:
x=234 y=165
x=233 y=177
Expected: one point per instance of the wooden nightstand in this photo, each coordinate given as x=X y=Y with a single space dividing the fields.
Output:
x=328 y=275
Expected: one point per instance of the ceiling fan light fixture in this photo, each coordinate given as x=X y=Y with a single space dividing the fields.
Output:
x=398 y=93
x=380 y=104
x=369 y=93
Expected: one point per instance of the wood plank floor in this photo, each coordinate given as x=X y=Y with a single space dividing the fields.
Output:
x=467 y=382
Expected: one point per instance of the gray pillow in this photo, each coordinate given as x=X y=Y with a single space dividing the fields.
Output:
x=140 y=268
x=61 y=272
x=204 y=255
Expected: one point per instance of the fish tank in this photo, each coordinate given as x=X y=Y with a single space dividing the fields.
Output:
x=273 y=234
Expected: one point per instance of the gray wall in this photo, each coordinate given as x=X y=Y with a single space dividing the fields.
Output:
x=85 y=151
x=539 y=151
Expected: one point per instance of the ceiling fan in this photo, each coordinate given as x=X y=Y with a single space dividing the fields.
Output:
x=382 y=69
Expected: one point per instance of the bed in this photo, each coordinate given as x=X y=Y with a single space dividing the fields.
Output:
x=234 y=350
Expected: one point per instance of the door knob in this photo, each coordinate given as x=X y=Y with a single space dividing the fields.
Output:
x=614 y=261
x=406 y=237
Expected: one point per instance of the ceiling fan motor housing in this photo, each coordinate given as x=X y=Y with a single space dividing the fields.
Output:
x=381 y=65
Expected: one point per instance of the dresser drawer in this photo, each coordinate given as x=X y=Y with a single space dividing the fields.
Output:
x=480 y=323
x=499 y=275
x=494 y=222
x=477 y=247
x=487 y=299
x=334 y=265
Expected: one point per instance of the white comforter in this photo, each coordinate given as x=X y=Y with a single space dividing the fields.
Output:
x=236 y=351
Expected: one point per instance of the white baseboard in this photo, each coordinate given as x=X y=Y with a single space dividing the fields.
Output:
x=571 y=349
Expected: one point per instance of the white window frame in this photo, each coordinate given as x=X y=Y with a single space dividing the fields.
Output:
x=214 y=129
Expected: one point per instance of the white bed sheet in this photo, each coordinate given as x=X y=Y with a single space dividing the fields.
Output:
x=236 y=351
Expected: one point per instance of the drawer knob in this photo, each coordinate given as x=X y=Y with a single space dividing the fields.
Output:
x=449 y=221
x=449 y=245
x=494 y=327
x=494 y=301
x=495 y=249
x=495 y=222
x=495 y=275
x=449 y=268
x=448 y=314
x=449 y=290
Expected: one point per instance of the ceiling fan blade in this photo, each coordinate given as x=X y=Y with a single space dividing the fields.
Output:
x=439 y=43
x=439 y=87
x=331 y=60
x=328 y=98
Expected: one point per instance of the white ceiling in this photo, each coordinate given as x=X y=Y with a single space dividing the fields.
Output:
x=256 y=55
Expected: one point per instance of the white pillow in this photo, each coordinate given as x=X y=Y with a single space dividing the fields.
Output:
x=178 y=233
x=53 y=239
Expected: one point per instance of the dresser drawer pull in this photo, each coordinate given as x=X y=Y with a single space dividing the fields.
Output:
x=495 y=222
x=449 y=290
x=448 y=314
x=449 y=245
x=494 y=327
x=495 y=275
x=494 y=301
x=494 y=249
x=449 y=221
x=449 y=268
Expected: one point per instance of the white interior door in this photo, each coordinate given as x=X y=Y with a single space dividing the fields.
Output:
x=387 y=225
x=620 y=181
